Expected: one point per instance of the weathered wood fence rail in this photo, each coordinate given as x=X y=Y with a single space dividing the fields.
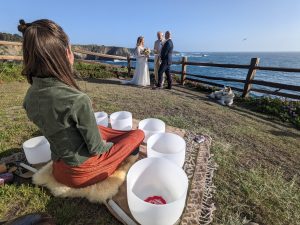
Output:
x=248 y=82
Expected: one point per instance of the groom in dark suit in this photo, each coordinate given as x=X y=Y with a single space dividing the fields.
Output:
x=166 y=61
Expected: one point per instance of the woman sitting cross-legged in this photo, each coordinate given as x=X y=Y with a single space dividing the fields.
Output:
x=82 y=153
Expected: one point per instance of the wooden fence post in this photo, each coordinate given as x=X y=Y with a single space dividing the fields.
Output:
x=128 y=65
x=183 y=69
x=250 y=76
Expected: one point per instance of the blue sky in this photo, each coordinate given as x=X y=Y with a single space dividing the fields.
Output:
x=196 y=25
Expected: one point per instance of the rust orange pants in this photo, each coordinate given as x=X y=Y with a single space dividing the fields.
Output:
x=99 y=167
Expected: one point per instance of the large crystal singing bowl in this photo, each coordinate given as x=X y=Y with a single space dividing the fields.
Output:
x=167 y=145
x=156 y=177
x=151 y=126
x=37 y=150
x=121 y=120
x=101 y=118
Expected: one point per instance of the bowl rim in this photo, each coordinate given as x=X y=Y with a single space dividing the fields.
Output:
x=174 y=165
x=43 y=140
x=103 y=116
x=162 y=122
x=149 y=146
x=113 y=114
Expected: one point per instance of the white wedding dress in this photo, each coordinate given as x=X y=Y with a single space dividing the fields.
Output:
x=141 y=75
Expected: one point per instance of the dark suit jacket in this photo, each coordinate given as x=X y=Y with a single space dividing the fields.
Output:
x=166 y=52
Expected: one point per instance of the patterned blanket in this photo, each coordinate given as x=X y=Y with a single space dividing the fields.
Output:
x=199 y=168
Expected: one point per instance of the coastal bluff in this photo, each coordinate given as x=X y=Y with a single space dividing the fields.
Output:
x=110 y=50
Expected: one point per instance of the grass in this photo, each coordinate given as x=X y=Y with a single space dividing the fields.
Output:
x=20 y=200
x=257 y=180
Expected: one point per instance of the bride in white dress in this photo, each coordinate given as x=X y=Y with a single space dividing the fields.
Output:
x=141 y=75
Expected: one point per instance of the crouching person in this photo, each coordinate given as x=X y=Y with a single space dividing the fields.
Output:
x=82 y=152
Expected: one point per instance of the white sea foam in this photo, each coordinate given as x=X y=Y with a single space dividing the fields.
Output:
x=117 y=60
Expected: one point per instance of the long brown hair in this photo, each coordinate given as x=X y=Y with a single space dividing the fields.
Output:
x=45 y=47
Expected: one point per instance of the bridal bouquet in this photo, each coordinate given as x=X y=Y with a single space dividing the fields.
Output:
x=147 y=51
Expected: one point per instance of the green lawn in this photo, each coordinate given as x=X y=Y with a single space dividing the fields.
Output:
x=258 y=177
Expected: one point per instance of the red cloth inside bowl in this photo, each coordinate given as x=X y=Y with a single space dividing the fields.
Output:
x=157 y=200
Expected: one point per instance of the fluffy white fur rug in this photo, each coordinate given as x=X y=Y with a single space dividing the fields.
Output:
x=98 y=192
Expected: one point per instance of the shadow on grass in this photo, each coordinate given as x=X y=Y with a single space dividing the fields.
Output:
x=181 y=90
x=268 y=120
x=36 y=133
x=284 y=133
x=102 y=81
x=114 y=82
x=9 y=152
x=79 y=211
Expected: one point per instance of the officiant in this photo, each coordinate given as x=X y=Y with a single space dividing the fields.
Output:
x=157 y=48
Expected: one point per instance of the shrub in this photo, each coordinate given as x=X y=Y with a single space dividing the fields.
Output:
x=10 y=71
x=85 y=70
x=282 y=108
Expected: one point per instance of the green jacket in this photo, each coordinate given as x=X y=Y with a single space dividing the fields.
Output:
x=66 y=118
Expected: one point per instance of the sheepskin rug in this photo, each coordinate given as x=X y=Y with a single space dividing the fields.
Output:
x=98 y=192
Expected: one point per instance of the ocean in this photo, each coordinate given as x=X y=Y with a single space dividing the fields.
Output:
x=272 y=59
